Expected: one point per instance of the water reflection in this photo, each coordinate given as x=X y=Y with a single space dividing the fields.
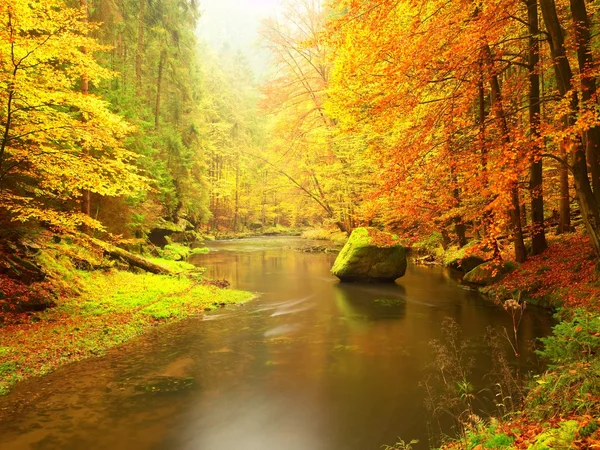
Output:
x=311 y=364
x=370 y=302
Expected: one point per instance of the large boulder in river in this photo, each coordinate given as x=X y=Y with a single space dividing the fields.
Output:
x=370 y=255
x=489 y=273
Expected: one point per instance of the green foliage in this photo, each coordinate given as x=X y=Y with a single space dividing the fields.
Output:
x=487 y=436
x=200 y=251
x=557 y=438
x=175 y=252
x=589 y=429
x=573 y=384
x=431 y=244
x=58 y=140
x=574 y=340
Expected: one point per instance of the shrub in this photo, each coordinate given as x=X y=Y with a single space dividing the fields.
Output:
x=574 y=383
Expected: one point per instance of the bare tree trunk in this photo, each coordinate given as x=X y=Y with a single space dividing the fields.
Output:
x=161 y=64
x=140 y=48
x=577 y=159
x=482 y=114
x=538 y=234
x=588 y=87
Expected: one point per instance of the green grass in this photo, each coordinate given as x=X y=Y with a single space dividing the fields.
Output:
x=175 y=266
x=112 y=308
x=322 y=234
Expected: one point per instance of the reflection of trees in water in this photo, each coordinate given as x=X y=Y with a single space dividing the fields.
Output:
x=371 y=301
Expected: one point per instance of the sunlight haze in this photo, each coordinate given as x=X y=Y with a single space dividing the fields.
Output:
x=235 y=24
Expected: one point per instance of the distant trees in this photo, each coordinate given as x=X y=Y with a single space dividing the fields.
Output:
x=462 y=118
x=306 y=147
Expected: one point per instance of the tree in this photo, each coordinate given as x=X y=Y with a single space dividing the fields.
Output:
x=57 y=141
x=306 y=147
x=538 y=235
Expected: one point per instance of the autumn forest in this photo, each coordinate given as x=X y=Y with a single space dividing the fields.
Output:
x=450 y=117
x=466 y=130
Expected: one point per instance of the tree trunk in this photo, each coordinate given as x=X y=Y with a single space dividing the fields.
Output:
x=85 y=202
x=538 y=234
x=577 y=159
x=585 y=60
x=459 y=227
x=482 y=115
x=131 y=259
x=161 y=64
x=517 y=229
x=564 y=224
x=515 y=210
x=140 y=48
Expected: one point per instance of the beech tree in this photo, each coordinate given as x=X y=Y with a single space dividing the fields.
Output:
x=57 y=140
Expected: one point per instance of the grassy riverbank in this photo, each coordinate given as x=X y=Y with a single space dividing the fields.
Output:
x=98 y=309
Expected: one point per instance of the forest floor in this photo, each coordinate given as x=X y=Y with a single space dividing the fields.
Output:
x=565 y=275
x=93 y=310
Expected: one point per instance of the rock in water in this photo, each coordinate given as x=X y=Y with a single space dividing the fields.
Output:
x=370 y=255
x=489 y=273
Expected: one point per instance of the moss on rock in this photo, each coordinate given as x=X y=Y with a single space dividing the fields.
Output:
x=370 y=255
x=489 y=273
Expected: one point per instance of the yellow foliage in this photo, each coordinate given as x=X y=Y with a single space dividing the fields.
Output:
x=55 y=141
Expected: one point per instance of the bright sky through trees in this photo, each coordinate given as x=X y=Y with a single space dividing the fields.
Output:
x=235 y=23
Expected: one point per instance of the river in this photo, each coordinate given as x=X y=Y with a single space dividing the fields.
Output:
x=310 y=364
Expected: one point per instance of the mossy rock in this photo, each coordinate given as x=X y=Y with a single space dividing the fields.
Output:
x=489 y=273
x=466 y=258
x=370 y=255
x=471 y=262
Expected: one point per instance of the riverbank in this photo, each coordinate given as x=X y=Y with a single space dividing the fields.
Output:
x=85 y=312
x=564 y=276
x=257 y=231
x=560 y=408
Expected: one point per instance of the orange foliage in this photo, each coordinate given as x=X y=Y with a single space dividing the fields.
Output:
x=566 y=268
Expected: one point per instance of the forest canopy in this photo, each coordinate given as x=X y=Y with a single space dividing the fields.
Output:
x=465 y=119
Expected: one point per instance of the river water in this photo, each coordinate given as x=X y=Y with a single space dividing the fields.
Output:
x=310 y=364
